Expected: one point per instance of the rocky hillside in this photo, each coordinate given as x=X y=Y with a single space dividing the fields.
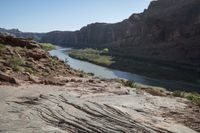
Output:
x=22 y=60
x=169 y=30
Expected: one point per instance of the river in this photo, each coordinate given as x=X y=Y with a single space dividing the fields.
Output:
x=62 y=53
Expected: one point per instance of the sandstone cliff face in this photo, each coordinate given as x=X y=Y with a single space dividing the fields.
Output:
x=168 y=30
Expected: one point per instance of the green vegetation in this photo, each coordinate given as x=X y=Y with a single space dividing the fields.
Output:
x=127 y=83
x=47 y=46
x=18 y=49
x=105 y=50
x=2 y=47
x=149 y=68
x=15 y=63
x=29 y=70
x=93 y=55
x=53 y=61
x=83 y=73
x=192 y=96
x=151 y=90
x=90 y=74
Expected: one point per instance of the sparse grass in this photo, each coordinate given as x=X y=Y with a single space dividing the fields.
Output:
x=192 y=96
x=92 y=55
x=178 y=93
x=127 y=83
x=53 y=61
x=29 y=70
x=47 y=46
x=90 y=74
x=2 y=47
x=15 y=63
x=151 y=90
x=84 y=74
x=130 y=83
x=18 y=49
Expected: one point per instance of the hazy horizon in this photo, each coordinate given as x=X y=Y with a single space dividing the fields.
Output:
x=64 y=15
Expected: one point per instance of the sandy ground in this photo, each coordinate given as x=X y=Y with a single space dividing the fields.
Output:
x=92 y=106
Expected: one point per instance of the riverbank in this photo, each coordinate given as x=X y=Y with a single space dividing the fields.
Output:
x=93 y=55
x=133 y=80
x=141 y=67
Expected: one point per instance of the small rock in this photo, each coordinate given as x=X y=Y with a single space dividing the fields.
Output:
x=7 y=78
x=91 y=81
x=72 y=80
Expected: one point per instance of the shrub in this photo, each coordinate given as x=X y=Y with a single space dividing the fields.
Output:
x=15 y=63
x=18 y=49
x=90 y=74
x=105 y=50
x=178 y=93
x=29 y=70
x=127 y=83
x=2 y=47
x=53 y=61
x=192 y=96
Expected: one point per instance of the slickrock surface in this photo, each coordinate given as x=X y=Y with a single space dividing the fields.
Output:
x=85 y=105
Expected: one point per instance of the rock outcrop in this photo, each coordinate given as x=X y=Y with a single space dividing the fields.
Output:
x=24 y=60
x=18 y=42
x=7 y=78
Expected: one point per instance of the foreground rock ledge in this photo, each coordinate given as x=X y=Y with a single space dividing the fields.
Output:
x=92 y=107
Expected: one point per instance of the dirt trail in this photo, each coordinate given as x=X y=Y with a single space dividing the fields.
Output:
x=89 y=106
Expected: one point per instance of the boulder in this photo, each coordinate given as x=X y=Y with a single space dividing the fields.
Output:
x=37 y=54
x=6 y=78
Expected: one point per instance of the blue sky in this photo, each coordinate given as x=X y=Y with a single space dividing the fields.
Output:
x=48 y=15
